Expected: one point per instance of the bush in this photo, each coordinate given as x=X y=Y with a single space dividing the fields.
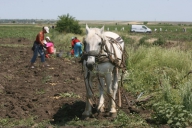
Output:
x=187 y=96
x=145 y=22
x=159 y=42
x=142 y=41
x=68 y=24
x=174 y=115
x=128 y=40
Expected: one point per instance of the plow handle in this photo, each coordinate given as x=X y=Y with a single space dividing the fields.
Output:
x=119 y=94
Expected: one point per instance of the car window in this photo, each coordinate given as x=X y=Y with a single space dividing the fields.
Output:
x=144 y=27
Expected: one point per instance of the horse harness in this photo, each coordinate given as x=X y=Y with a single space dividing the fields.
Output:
x=101 y=58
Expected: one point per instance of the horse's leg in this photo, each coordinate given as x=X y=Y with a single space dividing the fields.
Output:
x=101 y=97
x=88 y=108
x=114 y=88
x=110 y=91
x=115 y=82
x=115 y=85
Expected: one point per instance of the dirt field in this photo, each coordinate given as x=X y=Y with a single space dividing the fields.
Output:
x=39 y=92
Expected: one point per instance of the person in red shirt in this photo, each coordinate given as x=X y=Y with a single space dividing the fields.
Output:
x=72 y=46
x=38 y=46
x=76 y=47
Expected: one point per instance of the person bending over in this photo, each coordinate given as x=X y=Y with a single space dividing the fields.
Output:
x=76 y=46
x=38 y=47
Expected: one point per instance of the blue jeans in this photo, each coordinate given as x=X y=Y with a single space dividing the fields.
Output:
x=38 y=49
x=77 y=49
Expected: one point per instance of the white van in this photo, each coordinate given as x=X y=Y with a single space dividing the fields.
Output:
x=140 y=28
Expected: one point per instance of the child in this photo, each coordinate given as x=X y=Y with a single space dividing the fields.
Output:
x=49 y=47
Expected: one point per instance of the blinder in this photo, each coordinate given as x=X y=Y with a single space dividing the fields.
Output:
x=93 y=52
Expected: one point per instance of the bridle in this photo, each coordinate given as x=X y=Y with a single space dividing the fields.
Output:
x=94 y=52
x=105 y=55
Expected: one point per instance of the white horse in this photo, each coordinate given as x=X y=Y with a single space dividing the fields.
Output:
x=103 y=58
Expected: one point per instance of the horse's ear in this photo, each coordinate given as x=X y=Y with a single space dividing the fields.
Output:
x=87 y=29
x=102 y=29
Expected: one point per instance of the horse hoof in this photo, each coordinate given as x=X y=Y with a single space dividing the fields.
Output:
x=101 y=110
x=84 y=117
x=113 y=115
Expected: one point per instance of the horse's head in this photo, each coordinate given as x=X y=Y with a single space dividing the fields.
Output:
x=93 y=45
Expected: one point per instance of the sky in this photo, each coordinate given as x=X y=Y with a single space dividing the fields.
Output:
x=115 y=10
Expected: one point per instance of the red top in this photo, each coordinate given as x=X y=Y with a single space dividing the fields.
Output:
x=40 y=37
x=73 y=42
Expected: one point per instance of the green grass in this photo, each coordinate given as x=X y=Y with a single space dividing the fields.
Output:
x=28 y=32
x=28 y=122
x=149 y=65
x=122 y=120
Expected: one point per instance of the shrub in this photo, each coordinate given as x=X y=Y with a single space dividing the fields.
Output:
x=160 y=41
x=142 y=41
x=187 y=96
x=145 y=22
x=122 y=118
x=128 y=40
x=174 y=115
x=68 y=24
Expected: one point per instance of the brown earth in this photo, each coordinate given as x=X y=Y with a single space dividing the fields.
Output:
x=40 y=92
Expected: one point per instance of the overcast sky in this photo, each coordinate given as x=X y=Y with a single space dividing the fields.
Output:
x=126 y=10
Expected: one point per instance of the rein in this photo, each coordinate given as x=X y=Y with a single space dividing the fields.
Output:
x=88 y=74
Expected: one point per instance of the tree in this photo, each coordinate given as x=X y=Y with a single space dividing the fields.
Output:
x=145 y=22
x=68 y=24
